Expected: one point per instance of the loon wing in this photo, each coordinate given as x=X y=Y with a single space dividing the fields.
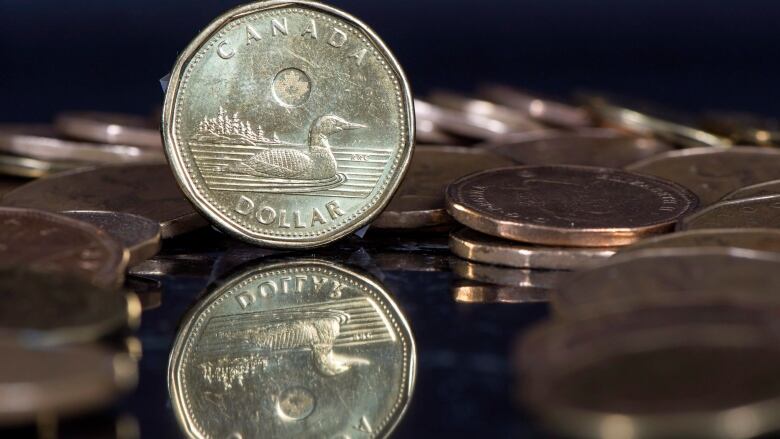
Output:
x=281 y=163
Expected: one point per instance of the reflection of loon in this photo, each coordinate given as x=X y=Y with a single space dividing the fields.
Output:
x=316 y=164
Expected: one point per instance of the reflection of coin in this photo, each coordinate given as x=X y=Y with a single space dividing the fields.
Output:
x=475 y=246
x=749 y=212
x=146 y=190
x=419 y=202
x=465 y=291
x=122 y=129
x=293 y=349
x=704 y=372
x=680 y=275
x=139 y=235
x=771 y=187
x=288 y=124
x=511 y=277
x=712 y=173
x=751 y=239
x=567 y=205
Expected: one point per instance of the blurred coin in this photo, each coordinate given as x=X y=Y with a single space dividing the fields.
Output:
x=470 y=126
x=743 y=128
x=146 y=190
x=516 y=121
x=749 y=212
x=507 y=276
x=712 y=173
x=60 y=381
x=472 y=245
x=543 y=110
x=19 y=166
x=7 y=184
x=587 y=147
x=182 y=265
x=51 y=243
x=41 y=142
x=751 y=239
x=419 y=201
x=57 y=309
x=465 y=291
x=427 y=132
x=139 y=235
x=645 y=374
x=567 y=205
x=771 y=187
x=682 y=275
x=113 y=128
x=148 y=291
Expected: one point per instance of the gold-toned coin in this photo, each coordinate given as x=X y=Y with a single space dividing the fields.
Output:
x=751 y=239
x=419 y=202
x=507 y=276
x=56 y=309
x=475 y=246
x=568 y=205
x=113 y=128
x=18 y=166
x=712 y=173
x=749 y=212
x=677 y=373
x=55 y=244
x=60 y=381
x=139 y=235
x=465 y=291
x=771 y=187
x=657 y=276
x=146 y=190
x=288 y=123
x=586 y=147
x=297 y=349
x=514 y=120
x=546 y=111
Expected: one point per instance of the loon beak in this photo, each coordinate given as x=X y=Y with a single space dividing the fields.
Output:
x=353 y=126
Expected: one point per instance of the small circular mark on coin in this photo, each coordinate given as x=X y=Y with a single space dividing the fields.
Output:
x=295 y=403
x=291 y=87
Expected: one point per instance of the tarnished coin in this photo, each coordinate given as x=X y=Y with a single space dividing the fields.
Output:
x=682 y=275
x=771 y=187
x=146 y=190
x=465 y=291
x=712 y=173
x=587 y=147
x=749 y=212
x=57 y=309
x=288 y=123
x=669 y=374
x=19 y=166
x=514 y=120
x=139 y=235
x=61 y=381
x=113 y=128
x=419 y=202
x=751 y=239
x=49 y=243
x=543 y=110
x=567 y=205
x=41 y=142
x=293 y=349
x=507 y=276
x=472 y=245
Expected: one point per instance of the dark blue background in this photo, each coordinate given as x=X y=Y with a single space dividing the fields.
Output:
x=691 y=54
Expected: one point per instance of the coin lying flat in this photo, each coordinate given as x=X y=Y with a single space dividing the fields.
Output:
x=293 y=349
x=288 y=124
x=465 y=291
x=567 y=205
x=543 y=110
x=645 y=374
x=7 y=184
x=457 y=123
x=50 y=243
x=59 y=381
x=146 y=190
x=18 y=166
x=771 y=187
x=511 y=277
x=113 y=128
x=743 y=128
x=683 y=275
x=712 y=173
x=419 y=202
x=751 y=239
x=748 y=212
x=514 y=120
x=472 y=245
x=586 y=147
x=426 y=132
x=139 y=235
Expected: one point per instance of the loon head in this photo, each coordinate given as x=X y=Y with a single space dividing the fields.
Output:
x=330 y=124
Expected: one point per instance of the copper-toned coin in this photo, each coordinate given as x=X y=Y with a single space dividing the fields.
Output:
x=50 y=243
x=680 y=275
x=56 y=309
x=475 y=246
x=113 y=128
x=749 y=212
x=41 y=142
x=60 y=381
x=419 y=202
x=511 y=277
x=515 y=120
x=139 y=235
x=146 y=190
x=751 y=239
x=543 y=110
x=712 y=173
x=587 y=147
x=465 y=291
x=670 y=374
x=771 y=187
x=568 y=205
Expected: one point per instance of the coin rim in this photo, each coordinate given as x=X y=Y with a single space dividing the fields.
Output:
x=684 y=223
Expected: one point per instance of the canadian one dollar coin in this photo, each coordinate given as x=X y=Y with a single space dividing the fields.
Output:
x=293 y=349
x=288 y=123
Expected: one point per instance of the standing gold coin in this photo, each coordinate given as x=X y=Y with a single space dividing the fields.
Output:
x=293 y=349
x=288 y=123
